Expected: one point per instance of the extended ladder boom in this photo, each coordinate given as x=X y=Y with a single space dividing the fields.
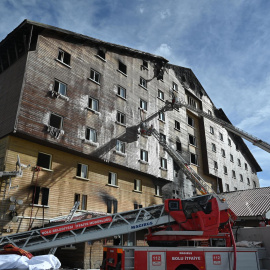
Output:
x=254 y=140
x=88 y=230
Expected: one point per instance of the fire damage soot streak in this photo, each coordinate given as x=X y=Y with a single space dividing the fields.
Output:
x=142 y=225
x=75 y=226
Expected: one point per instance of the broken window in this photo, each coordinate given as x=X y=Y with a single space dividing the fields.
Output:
x=161 y=116
x=143 y=82
x=64 y=57
x=163 y=163
x=192 y=102
x=60 y=88
x=121 y=92
x=122 y=67
x=160 y=95
x=192 y=139
x=158 y=191
x=175 y=86
x=91 y=135
x=143 y=104
x=93 y=104
x=193 y=159
x=101 y=54
x=56 y=121
x=95 y=76
x=82 y=170
x=178 y=146
x=44 y=160
x=121 y=118
x=144 y=155
x=190 y=121
x=112 y=179
x=177 y=125
x=137 y=185
x=40 y=195
x=112 y=203
x=120 y=146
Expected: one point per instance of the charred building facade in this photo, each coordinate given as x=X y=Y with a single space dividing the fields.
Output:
x=70 y=107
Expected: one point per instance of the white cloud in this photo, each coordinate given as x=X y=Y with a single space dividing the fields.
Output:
x=164 y=50
x=164 y=14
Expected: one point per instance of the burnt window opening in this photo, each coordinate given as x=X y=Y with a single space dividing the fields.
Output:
x=193 y=159
x=112 y=205
x=101 y=54
x=178 y=146
x=82 y=199
x=137 y=206
x=44 y=160
x=64 y=57
x=192 y=139
x=190 y=121
x=122 y=67
x=56 y=121
x=40 y=195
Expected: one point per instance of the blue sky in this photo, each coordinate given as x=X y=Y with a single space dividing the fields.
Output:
x=225 y=43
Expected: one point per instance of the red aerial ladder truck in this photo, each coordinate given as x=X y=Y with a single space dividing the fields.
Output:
x=202 y=220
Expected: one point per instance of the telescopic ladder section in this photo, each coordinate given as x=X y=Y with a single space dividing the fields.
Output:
x=195 y=178
x=254 y=140
x=88 y=230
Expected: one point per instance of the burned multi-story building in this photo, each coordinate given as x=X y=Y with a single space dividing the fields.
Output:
x=71 y=108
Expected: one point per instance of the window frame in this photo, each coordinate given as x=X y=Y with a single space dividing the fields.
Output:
x=122 y=117
x=161 y=116
x=161 y=95
x=120 y=147
x=196 y=159
x=214 y=148
x=79 y=175
x=92 y=101
x=122 y=68
x=143 y=105
x=56 y=81
x=178 y=143
x=144 y=155
x=223 y=153
x=88 y=130
x=174 y=86
x=212 y=131
x=163 y=163
x=62 y=55
x=137 y=185
x=177 y=125
x=110 y=182
x=192 y=124
x=158 y=191
x=119 y=92
x=233 y=174
x=225 y=169
x=143 y=83
x=60 y=127
x=95 y=76
x=221 y=136
x=192 y=140
x=215 y=165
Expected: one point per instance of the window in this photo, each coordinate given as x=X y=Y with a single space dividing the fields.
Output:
x=143 y=104
x=162 y=137
x=212 y=130
x=160 y=95
x=248 y=181
x=145 y=64
x=233 y=174
x=82 y=170
x=220 y=136
x=209 y=112
x=193 y=159
x=161 y=116
x=235 y=188
x=237 y=147
x=121 y=118
x=241 y=178
x=190 y=121
x=178 y=146
x=144 y=155
x=84 y=202
x=112 y=179
x=225 y=170
x=93 y=104
x=64 y=57
x=91 y=135
x=254 y=184
x=174 y=86
x=215 y=165
x=120 y=146
x=121 y=92
x=60 y=88
x=214 y=149
x=239 y=162
x=158 y=190
x=137 y=185
x=177 y=125
x=163 y=163
x=192 y=102
x=101 y=54
x=40 y=195
x=143 y=82
x=44 y=160
x=246 y=166
x=112 y=203
x=227 y=187
x=231 y=157
x=95 y=76
x=192 y=139
x=223 y=153
x=229 y=142
x=56 y=121
x=122 y=67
